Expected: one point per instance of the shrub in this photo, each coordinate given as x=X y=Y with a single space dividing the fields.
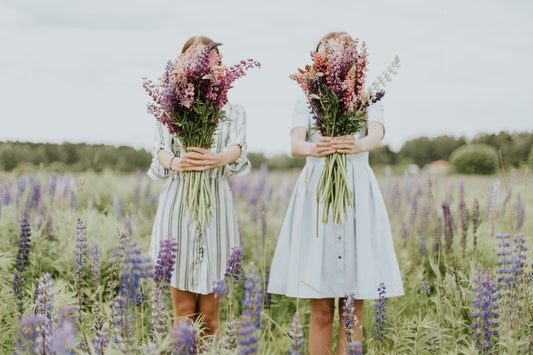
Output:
x=475 y=159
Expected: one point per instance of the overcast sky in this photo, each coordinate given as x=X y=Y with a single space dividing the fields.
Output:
x=71 y=70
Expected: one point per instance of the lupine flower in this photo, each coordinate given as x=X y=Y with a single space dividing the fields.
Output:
x=165 y=261
x=476 y=221
x=135 y=269
x=64 y=339
x=22 y=262
x=233 y=266
x=248 y=337
x=184 y=339
x=348 y=316
x=252 y=301
x=100 y=331
x=45 y=312
x=52 y=187
x=80 y=260
x=437 y=233
x=485 y=315
x=297 y=335
x=219 y=288
x=122 y=326
x=425 y=287
x=94 y=259
x=27 y=336
x=21 y=187
x=465 y=217
x=229 y=340
x=379 y=313
x=449 y=226
x=73 y=200
x=159 y=312
x=354 y=348
x=118 y=254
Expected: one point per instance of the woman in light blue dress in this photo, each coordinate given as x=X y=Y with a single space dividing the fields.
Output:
x=350 y=258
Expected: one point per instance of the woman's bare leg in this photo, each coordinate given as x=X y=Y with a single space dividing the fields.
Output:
x=322 y=311
x=183 y=304
x=209 y=308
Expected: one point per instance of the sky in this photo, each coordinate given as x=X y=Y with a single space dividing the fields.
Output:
x=70 y=71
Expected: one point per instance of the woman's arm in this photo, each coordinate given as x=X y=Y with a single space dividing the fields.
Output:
x=349 y=145
x=199 y=159
x=301 y=148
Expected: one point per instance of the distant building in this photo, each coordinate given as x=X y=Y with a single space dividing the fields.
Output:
x=439 y=166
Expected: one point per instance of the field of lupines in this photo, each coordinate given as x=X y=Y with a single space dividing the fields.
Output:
x=75 y=277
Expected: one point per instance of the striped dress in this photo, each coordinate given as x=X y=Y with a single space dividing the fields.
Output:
x=201 y=257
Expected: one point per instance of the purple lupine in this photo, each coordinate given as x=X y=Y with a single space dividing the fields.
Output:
x=122 y=326
x=73 y=200
x=100 y=330
x=94 y=260
x=64 y=339
x=136 y=268
x=159 y=312
x=425 y=287
x=437 y=233
x=414 y=209
x=476 y=221
x=80 y=259
x=252 y=301
x=520 y=217
x=380 y=305
x=297 y=335
x=118 y=254
x=465 y=218
x=44 y=297
x=52 y=187
x=354 y=348
x=27 y=335
x=220 y=288
x=348 y=316
x=248 y=338
x=21 y=264
x=485 y=314
x=118 y=206
x=184 y=339
x=165 y=261
x=424 y=225
x=234 y=264
x=449 y=226
x=21 y=187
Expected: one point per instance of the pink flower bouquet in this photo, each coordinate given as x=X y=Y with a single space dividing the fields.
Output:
x=188 y=100
x=334 y=85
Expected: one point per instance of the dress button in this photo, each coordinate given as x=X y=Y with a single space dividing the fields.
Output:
x=340 y=257
x=340 y=237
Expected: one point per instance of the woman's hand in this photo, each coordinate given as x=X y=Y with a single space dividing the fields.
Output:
x=322 y=147
x=345 y=144
x=198 y=159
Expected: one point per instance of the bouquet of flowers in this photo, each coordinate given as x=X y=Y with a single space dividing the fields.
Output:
x=334 y=86
x=188 y=100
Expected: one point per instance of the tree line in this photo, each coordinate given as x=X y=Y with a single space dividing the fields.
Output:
x=515 y=147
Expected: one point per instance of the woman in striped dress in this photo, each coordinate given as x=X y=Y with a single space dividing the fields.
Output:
x=202 y=256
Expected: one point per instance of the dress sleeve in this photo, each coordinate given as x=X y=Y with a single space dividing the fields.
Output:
x=237 y=135
x=161 y=141
x=300 y=115
x=376 y=114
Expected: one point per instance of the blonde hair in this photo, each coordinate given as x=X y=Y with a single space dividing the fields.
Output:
x=343 y=36
x=202 y=39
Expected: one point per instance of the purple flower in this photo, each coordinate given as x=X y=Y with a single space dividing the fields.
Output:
x=73 y=200
x=122 y=322
x=379 y=313
x=166 y=258
x=485 y=314
x=425 y=287
x=248 y=338
x=449 y=226
x=101 y=332
x=252 y=301
x=52 y=187
x=27 y=336
x=94 y=259
x=297 y=335
x=437 y=233
x=21 y=264
x=184 y=338
x=44 y=297
x=219 y=288
x=233 y=266
x=465 y=218
x=159 y=312
x=81 y=249
x=64 y=339
x=136 y=268
x=354 y=348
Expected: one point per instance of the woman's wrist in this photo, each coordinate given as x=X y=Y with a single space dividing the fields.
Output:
x=170 y=163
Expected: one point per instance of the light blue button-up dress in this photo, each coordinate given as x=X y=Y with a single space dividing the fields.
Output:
x=353 y=257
